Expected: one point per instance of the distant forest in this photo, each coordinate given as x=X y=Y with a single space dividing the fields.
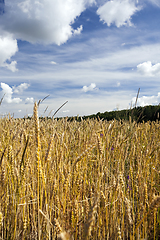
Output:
x=138 y=114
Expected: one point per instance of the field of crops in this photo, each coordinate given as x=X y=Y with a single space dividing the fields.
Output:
x=79 y=180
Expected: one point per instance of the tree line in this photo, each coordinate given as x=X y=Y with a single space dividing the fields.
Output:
x=138 y=114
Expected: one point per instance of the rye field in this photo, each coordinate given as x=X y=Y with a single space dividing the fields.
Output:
x=83 y=180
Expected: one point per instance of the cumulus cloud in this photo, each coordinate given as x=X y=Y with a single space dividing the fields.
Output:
x=7 y=92
x=65 y=111
x=148 y=69
x=52 y=62
x=147 y=100
x=19 y=89
x=8 y=48
x=11 y=66
x=44 y=21
x=118 y=12
x=89 y=88
x=29 y=100
x=78 y=30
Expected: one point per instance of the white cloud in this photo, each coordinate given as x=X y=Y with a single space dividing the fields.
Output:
x=20 y=88
x=148 y=69
x=11 y=66
x=118 y=84
x=52 y=62
x=7 y=93
x=147 y=100
x=89 y=88
x=29 y=100
x=44 y=21
x=118 y=12
x=8 y=48
x=78 y=30
x=65 y=111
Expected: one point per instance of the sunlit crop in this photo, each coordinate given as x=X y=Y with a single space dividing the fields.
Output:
x=79 y=180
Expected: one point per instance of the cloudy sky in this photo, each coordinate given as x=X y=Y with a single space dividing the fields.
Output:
x=95 y=54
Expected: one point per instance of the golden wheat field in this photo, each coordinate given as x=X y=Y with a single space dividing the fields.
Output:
x=79 y=180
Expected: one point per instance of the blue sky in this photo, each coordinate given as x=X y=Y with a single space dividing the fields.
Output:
x=95 y=54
